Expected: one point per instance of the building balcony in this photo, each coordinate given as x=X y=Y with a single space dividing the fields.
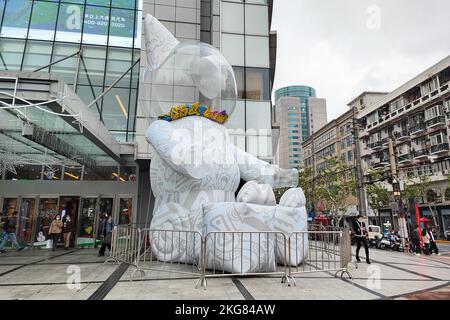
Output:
x=377 y=145
x=366 y=152
x=404 y=158
x=436 y=122
x=420 y=154
x=418 y=129
x=439 y=148
x=402 y=135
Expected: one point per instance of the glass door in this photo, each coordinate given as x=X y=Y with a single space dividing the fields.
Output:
x=26 y=220
x=47 y=210
x=85 y=237
x=125 y=210
x=106 y=207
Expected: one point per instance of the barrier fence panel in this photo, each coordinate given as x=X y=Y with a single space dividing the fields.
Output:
x=227 y=254
x=170 y=251
x=319 y=251
x=125 y=245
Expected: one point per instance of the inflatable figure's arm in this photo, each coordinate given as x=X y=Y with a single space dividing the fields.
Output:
x=252 y=168
x=175 y=148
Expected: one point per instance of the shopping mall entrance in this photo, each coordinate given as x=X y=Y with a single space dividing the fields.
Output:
x=35 y=214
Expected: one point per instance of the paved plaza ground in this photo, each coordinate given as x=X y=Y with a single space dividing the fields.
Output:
x=42 y=274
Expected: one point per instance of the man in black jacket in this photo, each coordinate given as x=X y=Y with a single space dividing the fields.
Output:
x=360 y=235
x=9 y=229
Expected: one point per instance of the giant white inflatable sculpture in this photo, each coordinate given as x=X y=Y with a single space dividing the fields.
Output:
x=195 y=170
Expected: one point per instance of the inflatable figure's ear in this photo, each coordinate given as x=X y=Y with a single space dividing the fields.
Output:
x=159 y=42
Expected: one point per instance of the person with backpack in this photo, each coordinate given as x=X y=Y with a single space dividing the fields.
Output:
x=9 y=230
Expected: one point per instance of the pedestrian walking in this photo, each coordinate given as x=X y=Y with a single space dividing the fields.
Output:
x=55 y=230
x=106 y=228
x=426 y=242
x=415 y=239
x=67 y=232
x=9 y=232
x=361 y=235
x=433 y=245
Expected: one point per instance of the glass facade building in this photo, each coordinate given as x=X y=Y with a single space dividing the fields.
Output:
x=37 y=34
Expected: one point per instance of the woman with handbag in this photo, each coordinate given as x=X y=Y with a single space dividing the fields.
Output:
x=55 y=230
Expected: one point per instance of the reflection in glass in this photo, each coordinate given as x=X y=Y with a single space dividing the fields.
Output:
x=258 y=84
x=25 y=172
x=27 y=209
x=72 y=173
x=115 y=109
x=128 y=174
x=92 y=66
x=11 y=52
x=65 y=68
x=37 y=55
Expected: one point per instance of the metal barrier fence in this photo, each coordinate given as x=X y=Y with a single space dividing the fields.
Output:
x=228 y=254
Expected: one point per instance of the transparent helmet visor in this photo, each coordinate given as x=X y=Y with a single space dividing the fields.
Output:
x=192 y=73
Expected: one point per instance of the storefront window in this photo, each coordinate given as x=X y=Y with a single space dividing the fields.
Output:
x=87 y=222
x=125 y=210
x=27 y=209
x=9 y=206
x=47 y=210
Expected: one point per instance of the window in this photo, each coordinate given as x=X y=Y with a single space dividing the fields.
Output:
x=233 y=48
x=428 y=86
x=257 y=51
x=258 y=84
x=232 y=16
x=439 y=138
x=37 y=54
x=350 y=156
x=434 y=112
x=256 y=20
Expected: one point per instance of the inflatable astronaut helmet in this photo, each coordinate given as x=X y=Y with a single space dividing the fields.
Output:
x=181 y=73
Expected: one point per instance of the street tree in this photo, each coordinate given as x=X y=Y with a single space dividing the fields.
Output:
x=335 y=186
x=378 y=197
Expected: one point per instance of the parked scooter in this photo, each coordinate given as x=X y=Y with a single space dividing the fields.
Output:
x=384 y=243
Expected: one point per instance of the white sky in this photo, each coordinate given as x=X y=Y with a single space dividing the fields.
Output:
x=341 y=48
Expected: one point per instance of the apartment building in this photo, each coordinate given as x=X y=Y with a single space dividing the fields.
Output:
x=416 y=117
